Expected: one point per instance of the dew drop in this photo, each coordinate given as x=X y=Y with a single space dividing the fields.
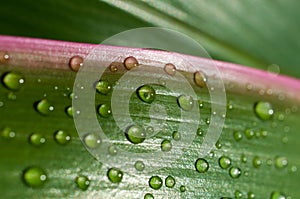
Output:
x=263 y=110
x=281 y=162
x=170 y=69
x=166 y=145
x=186 y=103
x=4 y=57
x=238 y=194
x=251 y=195
x=103 y=87
x=243 y=158
x=104 y=110
x=148 y=196
x=218 y=145
x=256 y=162
x=75 y=63
x=155 y=182
x=201 y=165
x=235 y=172
x=200 y=79
x=182 y=188
x=112 y=150
x=34 y=176
x=277 y=195
x=237 y=135
x=13 y=81
x=44 y=107
x=8 y=133
x=69 y=111
x=249 y=133
x=82 y=182
x=62 y=137
x=200 y=132
x=170 y=182
x=92 y=140
x=139 y=165
x=130 y=62
x=146 y=93
x=176 y=136
x=37 y=139
x=135 y=134
x=115 y=175
x=224 y=162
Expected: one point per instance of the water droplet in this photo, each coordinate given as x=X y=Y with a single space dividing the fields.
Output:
x=4 y=57
x=92 y=140
x=112 y=150
x=234 y=172
x=294 y=168
x=148 y=196
x=200 y=104
x=139 y=165
x=166 y=145
x=224 y=162
x=62 y=137
x=75 y=63
x=103 y=87
x=176 y=136
x=200 y=132
x=243 y=158
x=238 y=194
x=11 y=96
x=277 y=195
x=237 y=135
x=44 y=107
x=201 y=165
x=135 y=134
x=71 y=95
x=34 y=176
x=8 y=133
x=249 y=133
x=13 y=81
x=182 y=188
x=146 y=93
x=186 y=103
x=170 y=69
x=37 y=139
x=155 y=182
x=115 y=175
x=218 y=145
x=82 y=182
x=281 y=162
x=104 y=110
x=263 y=110
x=207 y=121
x=274 y=69
x=200 y=79
x=69 y=111
x=130 y=62
x=256 y=162
x=170 y=182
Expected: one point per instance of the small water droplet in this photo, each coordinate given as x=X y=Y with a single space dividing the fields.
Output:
x=37 y=139
x=11 y=96
x=281 y=162
x=249 y=133
x=44 y=107
x=201 y=165
x=200 y=79
x=8 y=133
x=200 y=104
x=103 y=87
x=113 y=67
x=238 y=194
x=139 y=165
x=130 y=62
x=294 y=168
x=251 y=195
x=34 y=176
x=200 y=132
x=218 y=145
x=182 y=188
x=256 y=162
x=92 y=140
x=62 y=137
x=76 y=62
x=243 y=158
x=277 y=195
x=170 y=182
x=13 y=81
x=82 y=182
x=155 y=182
x=4 y=57
x=170 y=69
x=104 y=110
x=237 y=135
x=146 y=93
x=207 y=121
x=176 y=136
x=135 y=134
x=263 y=110
x=224 y=162
x=186 y=103
x=273 y=69
x=148 y=196
x=235 y=172
x=166 y=145
x=112 y=150
x=115 y=175
x=69 y=111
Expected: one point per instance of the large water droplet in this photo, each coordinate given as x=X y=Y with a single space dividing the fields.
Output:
x=146 y=93
x=139 y=165
x=263 y=110
x=170 y=182
x=13 y=81
x=103 y=87
x=82 y=182
x=170 y=69
x=234 y=172
x=166 y=145
x=200 y=79
x=115 y=175
x=155 y=182
x=37 y=139
x=186 y=103
x=62 y=137
x=75 y=63
x=201 y=165
x=135 y=134
x=104 y=110
x=44 y=107
x=130 y=62
x=34 y=176
x=224 y=162
x=92 y=140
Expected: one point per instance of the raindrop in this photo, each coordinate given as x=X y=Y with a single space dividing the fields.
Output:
x=8 y=133
x=182 y=188
x=155 y=182
x=218 y=145
x=34 y=176
x=114 y=175
x=238 y=194
x=200 y=132
x=200 y=79
x=104 y=110
x=263 y=110
x=62 y=137
x=235 y=172
x=75 y=63
x=237 y=135
x=201 y=165
x=281 y=162
x=176 y=136
x=249 y=133
x=148 y=196
x=82 y=182
x=146 y=93
x=257 y=162
x=112 y=150
x=224 y=162
x=170 y=182
x=166 y=145
x=130 y=62
x=277 y=195
x=135 y=134
x=69 y=111
x=44 y=107
x=186 y=103
x=170 y=69
x=37 y=139
x=243 y=158
x=92 y=140
x=103 y=87
x=13 y=81
x=139 y=165
x=251 y=195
